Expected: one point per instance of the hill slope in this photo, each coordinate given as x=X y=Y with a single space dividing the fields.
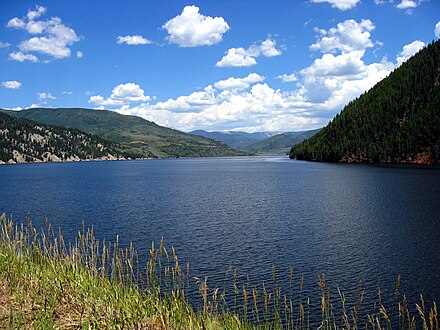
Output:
x=280 y=143
x=23 y=140
x=398 y=120
x=137 y=136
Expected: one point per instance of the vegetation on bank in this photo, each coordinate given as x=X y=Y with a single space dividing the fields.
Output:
x=398 y=120
x=23 y=140
x=47 y=283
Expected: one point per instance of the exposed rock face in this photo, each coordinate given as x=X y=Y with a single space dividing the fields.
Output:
x=425 y=158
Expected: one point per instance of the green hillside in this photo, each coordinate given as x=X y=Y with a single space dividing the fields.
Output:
x=23 y=140
x=137 y=136
x=280 y=143
x=398 y=120
x=234 y=139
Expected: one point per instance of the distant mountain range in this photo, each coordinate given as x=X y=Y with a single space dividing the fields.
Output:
x=137 y=137
x=235 y=139
x=397 y=121
x=259 y=142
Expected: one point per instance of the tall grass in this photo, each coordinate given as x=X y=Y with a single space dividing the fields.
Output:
x=48 y=283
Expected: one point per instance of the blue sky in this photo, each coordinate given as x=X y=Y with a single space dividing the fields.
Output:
x=213 y=65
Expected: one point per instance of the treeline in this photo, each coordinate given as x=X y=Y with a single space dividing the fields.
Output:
x=23 y=140
x=397 y=121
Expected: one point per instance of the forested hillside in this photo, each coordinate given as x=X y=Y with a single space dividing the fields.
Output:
x=23 y=141
x=398 y=120
x=138 y=137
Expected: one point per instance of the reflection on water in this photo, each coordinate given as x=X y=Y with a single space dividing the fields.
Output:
x=351 y=222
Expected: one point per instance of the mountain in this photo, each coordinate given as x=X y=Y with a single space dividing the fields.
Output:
x=138 y=137
x=398 y=120
x=280 y=143
x=23 y=141
x=234 y=139
x=259 y=142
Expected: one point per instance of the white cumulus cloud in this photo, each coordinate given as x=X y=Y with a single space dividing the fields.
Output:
x=193 y=102
x=248 y=103
x=133 y=40
x=407 y=4
x=409 y=50
x=340 y=4
x=192 y=29
x=121 y=95
x=347 y=64
x=33 y=14
x=288 y=77
x=11 y=84
x=236 y=57
x=52 y=37
x=238 y=83
x=437 y=30
x=240 y=57
x=21 y=57
x=4 y=44
x=346 y=37
x=16 y=23
x=46 y=96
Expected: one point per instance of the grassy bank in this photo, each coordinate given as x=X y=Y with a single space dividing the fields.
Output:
x=47 y=283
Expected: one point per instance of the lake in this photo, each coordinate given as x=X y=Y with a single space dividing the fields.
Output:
x=352 y=222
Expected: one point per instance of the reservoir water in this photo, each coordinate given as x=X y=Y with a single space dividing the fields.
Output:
x=351 y=222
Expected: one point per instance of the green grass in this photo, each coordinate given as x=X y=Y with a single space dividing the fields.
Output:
x=46 y=283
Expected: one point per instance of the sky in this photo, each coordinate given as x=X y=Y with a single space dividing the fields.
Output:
x=215 y=65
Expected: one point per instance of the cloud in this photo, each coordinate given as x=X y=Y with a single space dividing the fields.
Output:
x=260 y=108
x=236 y=57
x=55 y=38
x=4 y=44
x=194 y=102
x=287 y=77
x=240 y=57
x=345 y=37
x=192 y=29
x=334 y=80
x=121 y=95
x=407 y=4
x=79 y=54
x=11 y=84
x=238 y=83
x=16 y=23
x=347 y=64
x=340 y=4
x=45 y=96
x=248 y=104
x=33 y=14
x=321 y=90
x=133 y=40
x=409 y=50
x=100 y=101
x=21 y=57
x=437 y=30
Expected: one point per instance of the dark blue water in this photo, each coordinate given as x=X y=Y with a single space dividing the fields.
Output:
x=351 y=222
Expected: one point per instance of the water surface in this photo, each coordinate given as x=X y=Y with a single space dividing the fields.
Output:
x=351 y=222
